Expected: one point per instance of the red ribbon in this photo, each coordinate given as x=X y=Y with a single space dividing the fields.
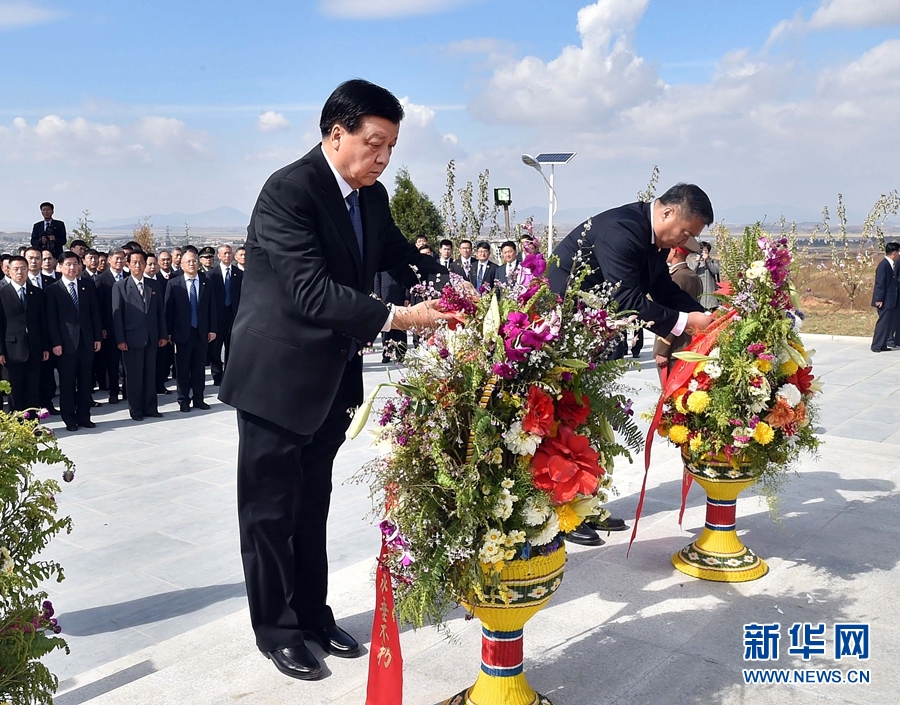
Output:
x=385 y=684
x=682 y=371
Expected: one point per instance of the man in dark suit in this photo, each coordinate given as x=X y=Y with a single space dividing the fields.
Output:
x=465 y=261
x=41 y=281
x=506 y=270
x=226 y=281
x=484 y=271
x=73 y=316
x=629 y=246
x=49 y=234
x=23 y=335
x=139 y=323
x=191 y=322
x=320 y=230
x=112 y=356
x=886 y=298
x=165 y=356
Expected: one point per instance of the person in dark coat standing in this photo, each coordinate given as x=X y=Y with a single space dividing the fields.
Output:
x=886 y=298
x=483 y=271
x=191 y=322
x=24 y=342
x=112 y=357
x=73 y=316
x=226 y=281
x=628 y=247
x=49 y=234
x=320 y=230
x=139 y=323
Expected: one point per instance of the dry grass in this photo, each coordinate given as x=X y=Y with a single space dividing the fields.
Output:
x=836 y=321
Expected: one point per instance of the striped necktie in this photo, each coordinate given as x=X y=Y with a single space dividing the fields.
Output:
x=73 y=294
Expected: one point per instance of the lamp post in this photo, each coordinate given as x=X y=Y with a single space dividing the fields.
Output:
x=551 y=158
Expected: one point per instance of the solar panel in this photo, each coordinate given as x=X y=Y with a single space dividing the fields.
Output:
x=554 y=157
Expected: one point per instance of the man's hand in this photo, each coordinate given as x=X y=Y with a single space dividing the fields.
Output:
x=423 y=315
x=104 y=335
x=697 y=321
x=3 y=359
x=662 y=361
x=878 y=304
x=122 y=346
x=97 y=345
x=162 y=342
x=57 y=350
x=210 y=337
x=45 y=356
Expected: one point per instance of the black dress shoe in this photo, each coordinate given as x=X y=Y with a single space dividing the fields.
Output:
x=96 y=404
x=334 y=641
x=217 y=381
x=154 y=415
x=88 y=424
x=584 y=535
x=296 y=662
x=135 y=417
x=71 y=426
x=184 y=406
x=53 y=410
x=201 y=405
x=114 y=399
x=163 y=390
x=611 y=524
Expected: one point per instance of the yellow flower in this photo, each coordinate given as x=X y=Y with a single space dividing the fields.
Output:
x=699 y=368
x=679 y=405
x=763 y=433
x=678 y=434
x=788 y=368
x=696 y=442
x=763 y=366
x=568 y=518
x=698 y=401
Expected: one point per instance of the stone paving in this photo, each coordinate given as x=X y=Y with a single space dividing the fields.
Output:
x=153 y=603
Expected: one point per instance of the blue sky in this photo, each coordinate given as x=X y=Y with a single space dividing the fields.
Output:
x=141 y=108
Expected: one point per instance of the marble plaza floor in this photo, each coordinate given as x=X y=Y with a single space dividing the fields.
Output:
x=153 y=602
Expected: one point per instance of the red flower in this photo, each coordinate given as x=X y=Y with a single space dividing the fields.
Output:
x=802 y=379
x=572 y=410
x=703 y=381
x=566 y=465
x=539 y=418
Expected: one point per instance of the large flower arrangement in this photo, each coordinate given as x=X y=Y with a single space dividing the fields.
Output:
x=746 y=390
x=500 y=438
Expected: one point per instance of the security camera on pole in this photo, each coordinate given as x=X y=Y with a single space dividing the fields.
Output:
x=551 y=158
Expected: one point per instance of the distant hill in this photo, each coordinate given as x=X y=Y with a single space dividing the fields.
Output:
x=222 y=217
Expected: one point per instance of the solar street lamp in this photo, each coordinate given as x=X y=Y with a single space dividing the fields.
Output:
x=551 y=158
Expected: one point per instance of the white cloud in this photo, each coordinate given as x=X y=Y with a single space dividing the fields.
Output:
x=14 y=15
x=584 y=84
x=375 y=9
x=841 y=13
x=420 y=139
x=270 y=120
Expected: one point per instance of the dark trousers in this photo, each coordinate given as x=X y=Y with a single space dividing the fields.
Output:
x=113 y=357
x=25 y=380
x=284 y=492
x=885 y=327
x=393 y=344
x=165 y=356
x=47 y=384
x=75 y=384
x=190 y=363
x=140 y=379
x=222 y=342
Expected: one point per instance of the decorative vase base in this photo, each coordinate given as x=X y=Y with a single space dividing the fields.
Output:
x=724 y=568
x=463 y=699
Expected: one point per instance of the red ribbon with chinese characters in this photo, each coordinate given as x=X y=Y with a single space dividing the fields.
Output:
x=385 y=685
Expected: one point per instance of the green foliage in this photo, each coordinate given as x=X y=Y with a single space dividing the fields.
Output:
x=28 y=521
x=413 y=212
x=648 y=195
x=83 y=230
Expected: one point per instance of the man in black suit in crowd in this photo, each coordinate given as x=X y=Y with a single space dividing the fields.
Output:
x=139 y=322
x=191 y=322
x=112 y=356
x=23 y=335
x=49 y=234
x=320 y=230
x=629 y=245
x=506 y=270
x=226 y=281
x=165 y=356
x=484 y=271
x=39 y=280
x=465 y=261
x=73 y=317
x=886 y=298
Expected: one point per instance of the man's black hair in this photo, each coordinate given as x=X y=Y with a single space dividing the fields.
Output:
x=509 y=243
x=692 y=201
x=138 y=252
x=68 y=254
x=353 y=100
x=483 y=244
x=891 y=248
x=76 y=243
x=47 y=203
x=445 y=241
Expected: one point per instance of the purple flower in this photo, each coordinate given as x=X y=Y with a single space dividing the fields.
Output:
x=402 y=440
x=501 y=369
x=68 y=475
x=516 y=322
x=535 y=263
x=43 y=414
x=566 y=377
x=515 y=354
x=48 y=608
x=444 y=353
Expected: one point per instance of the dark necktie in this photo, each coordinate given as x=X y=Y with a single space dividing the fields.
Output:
x=228 y=286
x=46 y=225
x=22 y=297
x=73 y=294
x=480 y=278
x=193 y=303
x=356 y=219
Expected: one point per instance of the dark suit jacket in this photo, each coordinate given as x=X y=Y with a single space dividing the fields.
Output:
x=67 y=327
x=886 y=285
x=457 y=266
x=620 y=250
x=178 y=309
x=54 y=240
x=23 y=332
x=105 y=282
x=218 y=283
x=305 y=295
x=389 y=290
x=500 y=273
x=138 y=321
x=490 y=274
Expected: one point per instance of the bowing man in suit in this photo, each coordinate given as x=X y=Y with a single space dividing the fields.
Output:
x=49 y=234
x=139 y=323
x=886 y=297
x=320 y=230
x=73 y=316
x=226 y=281
x=23 y=335
x=629 y=246
x=191 y=322
x=484 y=271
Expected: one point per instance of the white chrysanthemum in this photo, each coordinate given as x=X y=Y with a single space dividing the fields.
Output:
x=548 y=531
x=494 y=536
x=506 y=483
x=713 y=369
x=757 y=270
x=519 y=441
x=514 y=537
x=536 y=510
x=790 y=393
